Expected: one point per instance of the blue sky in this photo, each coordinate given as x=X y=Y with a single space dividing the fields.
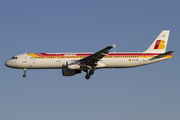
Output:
x=147 y=92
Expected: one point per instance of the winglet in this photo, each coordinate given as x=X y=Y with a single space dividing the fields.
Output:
x=114 y=45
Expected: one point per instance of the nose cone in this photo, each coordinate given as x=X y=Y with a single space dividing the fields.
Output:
x=8 y=64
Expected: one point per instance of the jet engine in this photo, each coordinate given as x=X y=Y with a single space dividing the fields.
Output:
x=68 y=72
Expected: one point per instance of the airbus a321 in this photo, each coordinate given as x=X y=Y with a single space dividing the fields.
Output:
x=74 y=63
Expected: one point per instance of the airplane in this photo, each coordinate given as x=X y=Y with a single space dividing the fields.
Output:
x=74 y=63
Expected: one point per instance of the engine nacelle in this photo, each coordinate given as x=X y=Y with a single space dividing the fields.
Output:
x=68 y=72
x=73 y=65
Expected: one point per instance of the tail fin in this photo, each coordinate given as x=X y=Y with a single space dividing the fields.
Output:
x=160 y=43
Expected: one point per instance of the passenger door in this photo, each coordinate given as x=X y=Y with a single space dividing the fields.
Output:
x=24 y=58
x=58 y=58
x=144 y=57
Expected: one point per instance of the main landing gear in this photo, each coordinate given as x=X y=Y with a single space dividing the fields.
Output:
x=88 y=75
x=24 y=75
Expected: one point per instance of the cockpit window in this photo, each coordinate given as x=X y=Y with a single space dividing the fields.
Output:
x=14 y=58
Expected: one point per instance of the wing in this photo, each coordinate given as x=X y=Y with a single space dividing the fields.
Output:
x=94 y=58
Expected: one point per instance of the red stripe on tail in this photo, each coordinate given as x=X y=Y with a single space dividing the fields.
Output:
x=157 y=44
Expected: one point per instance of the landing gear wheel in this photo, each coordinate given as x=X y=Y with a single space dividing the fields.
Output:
x=24 y=75
x=87 y=76
x=91 y=72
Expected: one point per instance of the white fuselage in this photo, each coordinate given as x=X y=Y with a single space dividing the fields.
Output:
x=113 y=60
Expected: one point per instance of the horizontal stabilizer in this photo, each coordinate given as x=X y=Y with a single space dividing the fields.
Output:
x=161 y=55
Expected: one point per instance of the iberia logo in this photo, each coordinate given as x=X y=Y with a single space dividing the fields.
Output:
x=159 y=44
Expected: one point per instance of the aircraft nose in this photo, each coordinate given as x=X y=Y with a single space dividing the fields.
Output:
x=7 y=63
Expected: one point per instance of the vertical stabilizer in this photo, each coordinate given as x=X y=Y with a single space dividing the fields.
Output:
x=160 y=43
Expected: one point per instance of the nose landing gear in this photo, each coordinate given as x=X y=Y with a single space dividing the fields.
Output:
x=24 y=75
